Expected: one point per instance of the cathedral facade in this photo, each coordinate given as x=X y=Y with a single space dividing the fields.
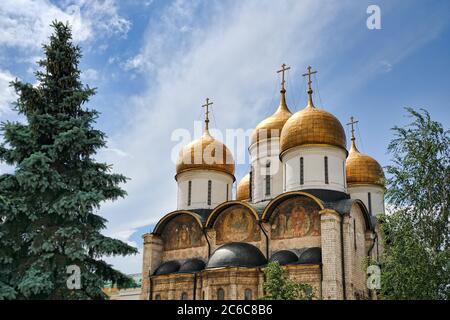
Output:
x=307 y=202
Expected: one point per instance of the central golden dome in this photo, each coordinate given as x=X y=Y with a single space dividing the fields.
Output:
x=205 y=153
x=312 y=126
x=243 y=189
x=271 y=126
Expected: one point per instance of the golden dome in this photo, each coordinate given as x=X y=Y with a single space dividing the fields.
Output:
x=243 y=189
x=362 y=169
x=312 y=126
x=271 y=126
x=205 y=153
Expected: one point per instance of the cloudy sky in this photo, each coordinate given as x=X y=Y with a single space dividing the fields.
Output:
x=154 y=62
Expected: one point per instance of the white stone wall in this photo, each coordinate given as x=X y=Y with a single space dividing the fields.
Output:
x=314 y=168
x=220 y=182
x=260 y=154
x=376 y=194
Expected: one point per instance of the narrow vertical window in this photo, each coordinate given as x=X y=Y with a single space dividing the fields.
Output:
x=354 y=233
x=268 y=179
x=209 y=192
x=369 y=200
x=248 y=294
x=203 y=295
x=189 y=192
x=227 y=191
x=302 y=177
x=251 y=183
x=326 y=169
x=343 y=174
x=220 y=294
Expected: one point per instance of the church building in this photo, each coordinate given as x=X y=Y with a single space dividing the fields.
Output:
x=307 y=202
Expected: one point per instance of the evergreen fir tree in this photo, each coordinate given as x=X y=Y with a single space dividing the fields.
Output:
x=47 y=207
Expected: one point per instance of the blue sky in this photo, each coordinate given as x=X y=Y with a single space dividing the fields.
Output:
x=154 y=62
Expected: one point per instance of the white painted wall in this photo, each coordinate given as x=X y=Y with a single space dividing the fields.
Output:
x=266 y=150
x=376 y=194
x=314 y=168
x=220 y=182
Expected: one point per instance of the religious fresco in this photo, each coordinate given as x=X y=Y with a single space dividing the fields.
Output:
x=238 y=224
x=182 y=232
x=295 y=217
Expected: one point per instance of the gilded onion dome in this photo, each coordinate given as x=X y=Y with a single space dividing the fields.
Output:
x=243 y=189
x=205 y=153
x=361 y=168
x=271 y=126
x=312 y=126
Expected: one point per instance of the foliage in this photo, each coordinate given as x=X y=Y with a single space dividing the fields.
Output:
x=416 y=260
x=277 y=286
x=47 y=206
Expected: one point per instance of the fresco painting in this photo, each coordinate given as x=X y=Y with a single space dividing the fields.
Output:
x=236 y=223
x=182 y=232
x=295 y=217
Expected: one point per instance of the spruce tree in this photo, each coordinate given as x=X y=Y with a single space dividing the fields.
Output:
x=48 y=206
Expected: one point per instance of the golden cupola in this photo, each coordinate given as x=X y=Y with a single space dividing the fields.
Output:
x=205 y=153
x=271 y=126
x=312 y=126
x=360 y=168
x=243 y=189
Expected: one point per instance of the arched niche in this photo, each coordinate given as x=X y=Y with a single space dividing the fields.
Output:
x=294 y=216
x=180 y=230
x=235 y=223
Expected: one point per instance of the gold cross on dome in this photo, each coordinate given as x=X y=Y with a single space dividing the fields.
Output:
x=352 y=123
x=309 y=74
x=206 y=106
x=283 y=69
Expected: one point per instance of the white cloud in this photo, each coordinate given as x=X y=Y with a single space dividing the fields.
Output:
x=7 y=94
x=229 y=54
x=232 y=58
x=25 y=24
x=89 y=75
x=137 y=62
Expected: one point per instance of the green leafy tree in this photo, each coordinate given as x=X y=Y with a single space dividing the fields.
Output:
x=277 y=286
x=416 y=260
x=47 y=207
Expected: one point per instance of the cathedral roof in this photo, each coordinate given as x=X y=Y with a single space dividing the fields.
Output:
x=359 y=167
x=236 y=254
x=243 y=189
x=271 y=127
x=192 y=265
x=362 y=169
x=205 y=153
x=312 y=126
x=168 y=267
x=310 y=256
x=284 y=257
x=305 y=255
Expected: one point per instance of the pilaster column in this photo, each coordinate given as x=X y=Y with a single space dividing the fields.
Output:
x=152 y=256
x=331 y=254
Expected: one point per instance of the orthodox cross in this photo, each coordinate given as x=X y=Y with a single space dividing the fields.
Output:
x=206 y=106
x=352 y=123
x=309 y=74
x=284 y=68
